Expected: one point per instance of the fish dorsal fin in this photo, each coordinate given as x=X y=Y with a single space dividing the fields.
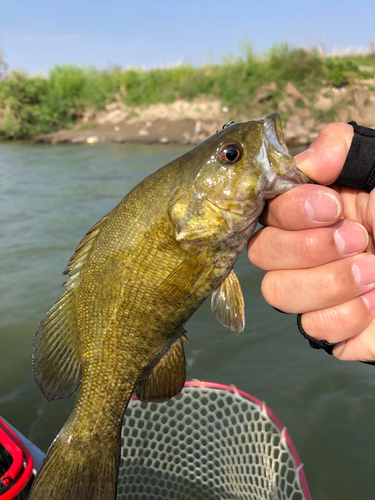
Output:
x=56 y=353
x=81 y=252
x=167 y=378
x=181 y=283
x=228 y=305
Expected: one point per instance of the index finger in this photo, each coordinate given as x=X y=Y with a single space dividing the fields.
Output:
x=303 y=207
x=324 y=159
x=308 y=206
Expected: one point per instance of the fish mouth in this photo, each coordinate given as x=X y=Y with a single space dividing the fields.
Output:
x=273 y=131
x=279 y=158
x=281 y=170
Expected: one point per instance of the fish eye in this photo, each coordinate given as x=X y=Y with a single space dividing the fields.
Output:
x=230 y=153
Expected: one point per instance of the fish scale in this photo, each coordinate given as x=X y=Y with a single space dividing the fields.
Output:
x=144 y=257
x=135 y=280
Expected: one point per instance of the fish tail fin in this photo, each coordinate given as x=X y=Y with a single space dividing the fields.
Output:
x=78 y=471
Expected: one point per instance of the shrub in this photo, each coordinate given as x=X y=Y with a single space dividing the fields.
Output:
x=30 y=105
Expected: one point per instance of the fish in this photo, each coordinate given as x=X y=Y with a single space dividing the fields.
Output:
x=132 y=284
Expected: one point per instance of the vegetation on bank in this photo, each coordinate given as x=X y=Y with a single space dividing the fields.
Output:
x=32 y=105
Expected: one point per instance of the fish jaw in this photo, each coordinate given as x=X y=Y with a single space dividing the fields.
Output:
x=280 y=172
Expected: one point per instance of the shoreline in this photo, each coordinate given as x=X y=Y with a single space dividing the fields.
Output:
x=181 y=131
x=191 y=122
x=162 y=131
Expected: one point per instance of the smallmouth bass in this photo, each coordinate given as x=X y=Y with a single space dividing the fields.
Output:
x=134 y=281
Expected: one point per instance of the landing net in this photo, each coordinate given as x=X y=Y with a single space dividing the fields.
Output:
x=211 y=442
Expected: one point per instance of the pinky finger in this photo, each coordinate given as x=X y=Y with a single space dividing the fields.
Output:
x=342 y=321
x=358 y=348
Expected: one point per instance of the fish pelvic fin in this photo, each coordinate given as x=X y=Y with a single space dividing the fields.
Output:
x=228 y=305
x=78 y=470
x=167 y=378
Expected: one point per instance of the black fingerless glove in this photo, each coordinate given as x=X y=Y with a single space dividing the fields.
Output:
x=358 y=173
x=359 y=168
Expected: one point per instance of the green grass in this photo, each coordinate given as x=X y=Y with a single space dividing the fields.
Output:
x=31 y=105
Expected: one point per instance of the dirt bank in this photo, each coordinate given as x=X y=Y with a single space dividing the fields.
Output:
x=185 y=122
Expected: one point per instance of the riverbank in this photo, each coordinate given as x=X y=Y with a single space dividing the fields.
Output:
x=183 y=122
x=186 y=104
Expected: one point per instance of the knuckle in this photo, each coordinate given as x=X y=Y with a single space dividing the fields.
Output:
x=254 y=248
x=367 y=343
x=268 y=288
x=274 y=210
x=318 y=247
x=333 y=284
x=274 y=291
x=332 y=128
x=324 y=324
x=310 y=246
x=371 y=351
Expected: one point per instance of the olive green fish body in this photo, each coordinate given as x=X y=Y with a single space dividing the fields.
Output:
x=134 y=281
x=134 y=330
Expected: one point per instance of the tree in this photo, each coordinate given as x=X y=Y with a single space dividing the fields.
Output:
x=3 y=66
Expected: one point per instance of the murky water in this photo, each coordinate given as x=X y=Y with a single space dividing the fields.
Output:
x=49 y=197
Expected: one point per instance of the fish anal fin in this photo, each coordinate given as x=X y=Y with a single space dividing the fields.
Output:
x=181 y=283
x=167 y=378
x=228 y=305
x=56 y=353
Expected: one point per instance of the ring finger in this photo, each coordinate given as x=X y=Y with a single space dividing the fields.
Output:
x=300 y=291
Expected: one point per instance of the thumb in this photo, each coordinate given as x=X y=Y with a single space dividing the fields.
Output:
x=324 y=159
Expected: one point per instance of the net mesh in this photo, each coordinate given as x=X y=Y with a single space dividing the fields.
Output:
x=208 y=444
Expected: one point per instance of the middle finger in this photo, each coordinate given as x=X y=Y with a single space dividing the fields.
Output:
x=273 y=248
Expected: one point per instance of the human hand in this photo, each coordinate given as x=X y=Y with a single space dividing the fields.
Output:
x=318 y=246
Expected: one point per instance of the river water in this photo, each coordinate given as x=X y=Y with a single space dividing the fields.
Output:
x=49 y=197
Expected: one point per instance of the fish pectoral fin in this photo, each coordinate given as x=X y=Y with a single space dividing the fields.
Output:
x=228 y=305
x=56 y=353
x=181 y=283
x=167 y=378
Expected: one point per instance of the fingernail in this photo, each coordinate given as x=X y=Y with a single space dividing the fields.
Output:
x=369 y=300
x=351 y=239
x=364 y=271
x=322 y=208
